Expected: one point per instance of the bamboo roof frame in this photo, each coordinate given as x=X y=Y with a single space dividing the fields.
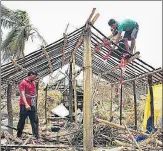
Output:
x=74 y=45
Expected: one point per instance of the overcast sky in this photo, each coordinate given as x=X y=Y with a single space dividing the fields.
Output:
x=52 y=17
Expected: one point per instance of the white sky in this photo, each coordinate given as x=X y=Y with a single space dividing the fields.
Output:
x=52 y=17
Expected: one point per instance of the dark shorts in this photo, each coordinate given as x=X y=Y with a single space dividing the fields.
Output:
x=132 y=33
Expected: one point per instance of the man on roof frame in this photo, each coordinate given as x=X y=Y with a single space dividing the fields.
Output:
x=131 y=29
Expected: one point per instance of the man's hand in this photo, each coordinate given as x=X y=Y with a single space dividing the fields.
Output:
x=27 y=107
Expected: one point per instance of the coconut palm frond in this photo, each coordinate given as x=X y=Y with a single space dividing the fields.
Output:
x=8 y=39
x=38 y=35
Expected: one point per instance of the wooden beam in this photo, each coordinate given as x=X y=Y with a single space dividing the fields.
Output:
x=77 y=46
x=87 y=105
x=37 y=87
x=70 y=94
x=82 y=37
x=46 y=104
x=9 y=108
x=64 y=44
x=111 y=101
x=135 y=105
x=141 y=76
x=34 y=146
x=117 y=126
x=95 y=18
x=121 y=102
x=151 y=99
x=74 y=86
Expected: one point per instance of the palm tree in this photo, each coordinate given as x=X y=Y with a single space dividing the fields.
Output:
x=20 y=31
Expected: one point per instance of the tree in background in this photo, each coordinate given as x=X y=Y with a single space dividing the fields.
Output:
x=20 y=30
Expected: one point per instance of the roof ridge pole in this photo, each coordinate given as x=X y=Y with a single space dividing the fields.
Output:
x=87 y=105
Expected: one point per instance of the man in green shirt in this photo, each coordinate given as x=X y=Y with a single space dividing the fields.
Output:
x=131 y=29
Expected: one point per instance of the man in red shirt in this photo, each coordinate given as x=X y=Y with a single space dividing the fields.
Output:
x=28 y=96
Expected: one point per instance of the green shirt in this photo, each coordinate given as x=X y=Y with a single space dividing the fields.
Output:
x=126 y=25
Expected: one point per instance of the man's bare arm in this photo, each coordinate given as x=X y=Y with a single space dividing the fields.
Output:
x=24 y=99
x=117 y=38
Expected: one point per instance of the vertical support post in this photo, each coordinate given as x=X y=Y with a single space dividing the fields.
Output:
x=151 y=99
x=121 y=101
x=74 y=86
x=37 y=87
x=111 y=101
x=70 y=94
x=135 y=104
x=46 y=92
x=88 y=104
x=9 y=108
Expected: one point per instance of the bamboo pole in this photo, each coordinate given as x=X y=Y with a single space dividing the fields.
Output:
x=151 y=99
x=121 y=102
x=34 y=146
x=121 y=127
x=111 y=101
x=64 y=44
x=75 y=97
x=82 y=37
x=46 y=104
x=141 y=76
x=70 y=94
x=87 y=105
x=135 y=104
x=9 y=108
x=132 y=137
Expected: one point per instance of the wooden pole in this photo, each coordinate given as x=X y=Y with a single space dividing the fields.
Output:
x=46 y=92
x=9 y=108
x=74 y=86
x=141 y=76
x=121 y=102
x=135 y=104
x=111 y=101
x=34 y=146
x=37 y=87
x=121 y=127
x=87 y=105
x=151 y=99
x=70 y=94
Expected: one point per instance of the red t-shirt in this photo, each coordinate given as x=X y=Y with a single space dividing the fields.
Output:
x=29 y=88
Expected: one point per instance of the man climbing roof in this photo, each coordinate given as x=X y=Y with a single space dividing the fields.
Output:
x=131 y=29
